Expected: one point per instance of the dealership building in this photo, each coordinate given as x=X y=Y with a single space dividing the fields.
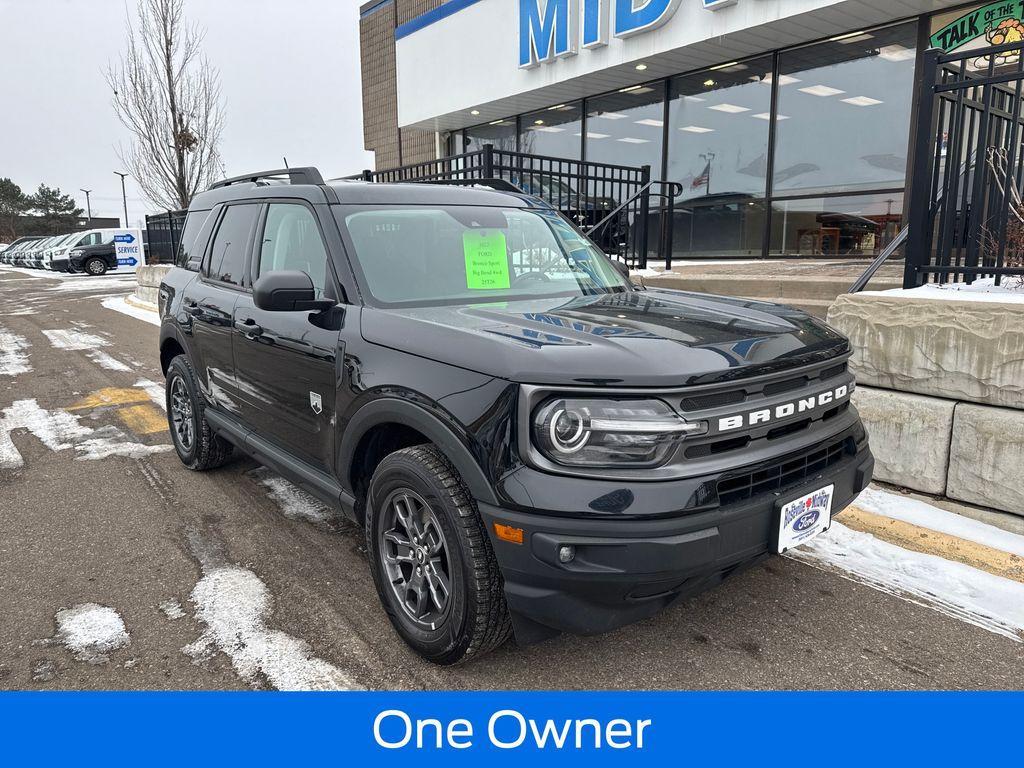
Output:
x=786 y=123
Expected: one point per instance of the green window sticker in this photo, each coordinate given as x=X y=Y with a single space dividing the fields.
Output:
x=486 y=260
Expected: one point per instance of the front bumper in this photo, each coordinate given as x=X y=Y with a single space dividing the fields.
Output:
x=627 y=570
x=59 y=265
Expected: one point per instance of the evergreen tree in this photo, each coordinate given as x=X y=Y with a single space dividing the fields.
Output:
x=59 y=212
x=13 y=203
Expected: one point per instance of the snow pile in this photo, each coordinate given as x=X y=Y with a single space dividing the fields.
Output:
x=1011 y=290
x=924 y=515
x=120 y=304
x=294 y=503
x=13 y=359
x=957 y=590
x=234 y=604
x=645 y=272
x=91 y=631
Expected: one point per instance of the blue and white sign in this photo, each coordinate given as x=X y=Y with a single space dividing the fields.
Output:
x=552 y=29
x=128 y=250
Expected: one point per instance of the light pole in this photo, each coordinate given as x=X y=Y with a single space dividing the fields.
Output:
x=88 y=205
x=124 y=196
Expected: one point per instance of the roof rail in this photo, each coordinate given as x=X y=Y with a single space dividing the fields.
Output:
x=500 y=185
x=308 y=175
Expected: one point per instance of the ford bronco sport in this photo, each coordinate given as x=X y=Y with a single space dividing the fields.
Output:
x=531 y=443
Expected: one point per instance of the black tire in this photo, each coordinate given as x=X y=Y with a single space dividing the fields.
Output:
x=204 y=450
x=95 y=267
x=476 y=618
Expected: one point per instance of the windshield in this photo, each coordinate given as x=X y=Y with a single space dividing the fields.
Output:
x=420 y=256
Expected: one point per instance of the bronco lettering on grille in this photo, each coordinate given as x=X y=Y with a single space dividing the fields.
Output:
x=785 y=410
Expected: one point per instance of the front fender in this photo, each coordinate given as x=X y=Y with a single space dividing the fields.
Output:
x=442 y=433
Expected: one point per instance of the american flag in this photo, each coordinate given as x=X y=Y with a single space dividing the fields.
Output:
x=702 y=180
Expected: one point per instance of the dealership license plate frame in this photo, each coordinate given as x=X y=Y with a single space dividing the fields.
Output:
x=788 y=513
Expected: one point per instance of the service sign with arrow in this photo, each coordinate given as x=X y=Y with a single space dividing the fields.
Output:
x=128 y=250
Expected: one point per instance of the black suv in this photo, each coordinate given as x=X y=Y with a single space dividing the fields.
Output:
x=531 y=443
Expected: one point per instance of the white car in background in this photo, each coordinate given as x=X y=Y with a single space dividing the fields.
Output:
x=59 y=246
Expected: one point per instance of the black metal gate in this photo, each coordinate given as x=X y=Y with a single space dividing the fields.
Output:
x=163 y=234
x=611 y=203
x=966 y=213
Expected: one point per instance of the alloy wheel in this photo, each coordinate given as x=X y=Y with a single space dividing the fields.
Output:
x=415 y=558
x=182 y=415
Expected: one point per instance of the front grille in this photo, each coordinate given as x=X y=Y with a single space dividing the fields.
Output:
x=702 y=402
x=752 y=392
x=789 y=471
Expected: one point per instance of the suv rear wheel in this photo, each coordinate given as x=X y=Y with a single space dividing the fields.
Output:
x=96 y=266
x=197 y=446
x=432 y=562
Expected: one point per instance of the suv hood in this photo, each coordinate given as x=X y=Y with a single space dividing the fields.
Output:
x=639 y=338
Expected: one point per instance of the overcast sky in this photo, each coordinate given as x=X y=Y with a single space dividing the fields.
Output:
x=289 y=73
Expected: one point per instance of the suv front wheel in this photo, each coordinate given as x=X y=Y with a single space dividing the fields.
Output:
x=431 y=559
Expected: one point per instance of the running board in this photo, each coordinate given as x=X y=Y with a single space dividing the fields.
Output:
x=312 y=480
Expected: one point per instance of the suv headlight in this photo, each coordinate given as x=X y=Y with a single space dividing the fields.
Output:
x=591 y=432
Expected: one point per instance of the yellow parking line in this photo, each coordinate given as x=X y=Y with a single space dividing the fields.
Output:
x=929 y=542
x=111 y=396
x=143 y=419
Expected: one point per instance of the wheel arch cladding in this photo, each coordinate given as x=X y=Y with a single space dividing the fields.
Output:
x=387 y=425
x=170 y=348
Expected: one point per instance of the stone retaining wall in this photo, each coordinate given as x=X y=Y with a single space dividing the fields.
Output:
x=149 y=277
x=941 y=392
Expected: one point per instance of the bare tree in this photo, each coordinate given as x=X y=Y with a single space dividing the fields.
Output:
x=168 y=96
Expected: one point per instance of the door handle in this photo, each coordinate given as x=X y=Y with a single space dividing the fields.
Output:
x=249 y=328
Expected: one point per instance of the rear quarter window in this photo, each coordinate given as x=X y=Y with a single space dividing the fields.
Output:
x=190 y=250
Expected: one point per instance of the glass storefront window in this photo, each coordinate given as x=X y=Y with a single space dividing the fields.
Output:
x=500 y=133
x=860 y=225
x=626 y=127
x=554 y=131
x=717 y=229
x=844 y=112
x=718 y=130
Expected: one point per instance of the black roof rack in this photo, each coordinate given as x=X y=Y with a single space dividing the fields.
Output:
x=307 y=175
x=501 y=185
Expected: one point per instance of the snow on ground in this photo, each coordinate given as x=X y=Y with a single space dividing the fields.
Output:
x=294 y=503
x=234 y=604
x=74 y=340
x=59 y=430
x=1011 y=290
x=120 y=304
x=172 y=609
x=957 y=590
x=91 y=632
x=154 y=390
x=77 y=340
x=13 y=356
x=924 y=515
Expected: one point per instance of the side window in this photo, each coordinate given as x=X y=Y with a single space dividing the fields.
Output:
x=291 y=240
x=227 y=253
x=189 y=255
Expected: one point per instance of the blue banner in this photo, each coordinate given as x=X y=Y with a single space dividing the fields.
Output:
x=350 y=729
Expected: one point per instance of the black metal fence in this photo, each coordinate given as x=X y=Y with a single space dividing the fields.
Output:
x=163 y=234
x=966 y=214
x=612 y=203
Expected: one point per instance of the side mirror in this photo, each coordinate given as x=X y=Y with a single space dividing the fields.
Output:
x=288 y=291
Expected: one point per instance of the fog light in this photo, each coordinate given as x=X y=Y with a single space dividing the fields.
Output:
x=566 y=553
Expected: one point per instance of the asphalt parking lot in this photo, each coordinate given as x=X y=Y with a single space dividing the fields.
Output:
x=230 y=579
